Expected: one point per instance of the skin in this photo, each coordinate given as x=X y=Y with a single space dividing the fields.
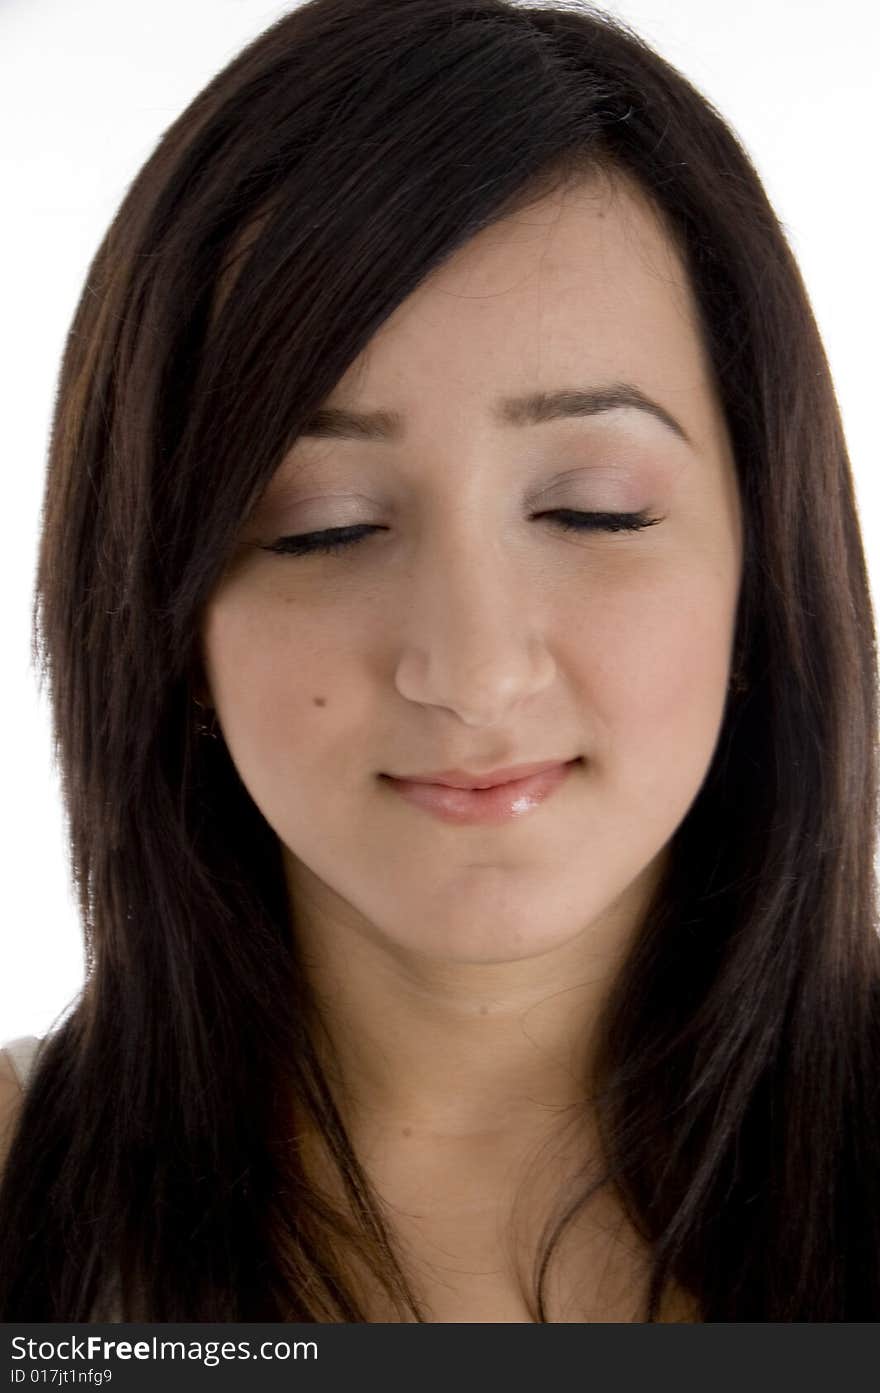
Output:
x=459 y=970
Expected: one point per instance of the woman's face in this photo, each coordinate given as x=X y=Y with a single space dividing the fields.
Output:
x=471 y=630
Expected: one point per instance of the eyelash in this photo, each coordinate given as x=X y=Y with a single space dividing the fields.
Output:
x=336 y=539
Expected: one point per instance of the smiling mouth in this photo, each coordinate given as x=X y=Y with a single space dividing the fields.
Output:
x=461 y=778
x=498 y=803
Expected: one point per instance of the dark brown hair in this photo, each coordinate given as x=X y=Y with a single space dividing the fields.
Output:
x=317 y=181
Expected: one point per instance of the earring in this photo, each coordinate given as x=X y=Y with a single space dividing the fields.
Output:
x=212 y=731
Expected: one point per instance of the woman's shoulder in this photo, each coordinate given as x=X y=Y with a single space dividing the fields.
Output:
x=17 y=1058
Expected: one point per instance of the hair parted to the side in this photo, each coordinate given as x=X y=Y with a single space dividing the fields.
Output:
x=316 y=181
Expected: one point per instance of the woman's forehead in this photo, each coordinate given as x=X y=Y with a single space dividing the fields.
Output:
x=581 y=290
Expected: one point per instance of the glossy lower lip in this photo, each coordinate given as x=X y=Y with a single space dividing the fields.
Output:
x=498 y=804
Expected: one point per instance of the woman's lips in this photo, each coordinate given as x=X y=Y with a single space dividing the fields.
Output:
x=498 y=804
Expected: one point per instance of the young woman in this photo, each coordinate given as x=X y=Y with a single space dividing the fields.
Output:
x=444 y=401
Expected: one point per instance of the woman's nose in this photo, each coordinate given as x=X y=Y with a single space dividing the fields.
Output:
x=474 y=639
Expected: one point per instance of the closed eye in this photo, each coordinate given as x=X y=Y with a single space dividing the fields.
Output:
x=336 y=539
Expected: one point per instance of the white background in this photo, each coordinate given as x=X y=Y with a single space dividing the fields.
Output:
x=86 y=89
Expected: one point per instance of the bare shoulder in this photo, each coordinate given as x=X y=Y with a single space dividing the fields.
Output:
x=11 y=1098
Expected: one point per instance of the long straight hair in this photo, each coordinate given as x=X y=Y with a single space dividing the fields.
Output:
x=301 y=197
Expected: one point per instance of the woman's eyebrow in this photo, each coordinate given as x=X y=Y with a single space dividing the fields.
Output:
x=532 y=409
